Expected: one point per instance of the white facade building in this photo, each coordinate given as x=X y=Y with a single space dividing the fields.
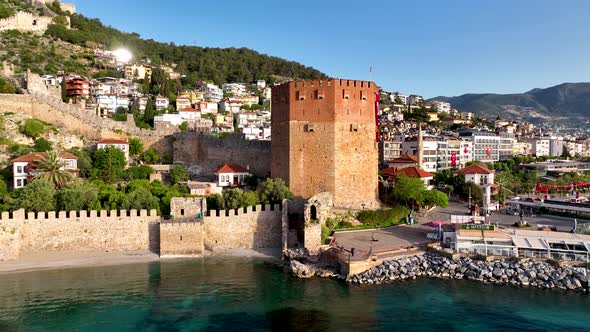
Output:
x=117 y=143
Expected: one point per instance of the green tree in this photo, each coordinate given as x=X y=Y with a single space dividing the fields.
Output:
x=81 y=196
x=109 y=162
x=42 y=145
x=183 y=126
x=37 y=196
x=142 y=199
x=435 y=198
x=135 y=146
x=249 y=198
x=141 y=172
x=233 y=198
x=84 y=161
x=215 y=202
x=273 y=191
x=409 y=191
x=150 y=156
x=150 y=112
x=505 y=182
x=49 y=168
x=178 y=174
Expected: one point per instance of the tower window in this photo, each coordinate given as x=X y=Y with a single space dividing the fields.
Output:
x=300 y=95
x=345 y=94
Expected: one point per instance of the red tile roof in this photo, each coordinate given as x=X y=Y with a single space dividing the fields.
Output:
x=389 y=171
x=414 y=172
x=475 y=169
x=36 y=156
x=112 y=141
x=188 y=109
x=231 y=168
x=404 y=159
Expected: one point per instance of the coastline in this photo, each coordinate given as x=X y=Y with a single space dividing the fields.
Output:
x=58 y=260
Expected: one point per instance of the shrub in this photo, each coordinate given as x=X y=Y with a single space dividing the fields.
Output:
x=42 y=145
x=33 y=128
x=183 y=126
x=383 y=218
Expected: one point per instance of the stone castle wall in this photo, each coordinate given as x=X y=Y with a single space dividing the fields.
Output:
x=82 y=122
x=181 y=238
x=75 y=231
x=25 y=22
x=248 y=228
x=252 y=227
x=203 y=153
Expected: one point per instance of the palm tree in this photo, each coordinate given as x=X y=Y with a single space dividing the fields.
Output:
x=505 y=182
x=49 y=168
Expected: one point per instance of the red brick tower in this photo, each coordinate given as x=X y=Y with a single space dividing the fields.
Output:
x=323 y=139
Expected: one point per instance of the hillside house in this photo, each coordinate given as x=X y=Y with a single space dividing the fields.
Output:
x=23 y=168
x=231 y=175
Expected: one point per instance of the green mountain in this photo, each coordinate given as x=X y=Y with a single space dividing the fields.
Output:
x=566 y=103
x=71 y=50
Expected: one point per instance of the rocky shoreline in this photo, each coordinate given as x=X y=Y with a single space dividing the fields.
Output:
x=514 y=272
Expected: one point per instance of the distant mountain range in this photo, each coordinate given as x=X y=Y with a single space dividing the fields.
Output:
x=567 y=103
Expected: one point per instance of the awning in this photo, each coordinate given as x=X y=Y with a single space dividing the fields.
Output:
x=529 y=242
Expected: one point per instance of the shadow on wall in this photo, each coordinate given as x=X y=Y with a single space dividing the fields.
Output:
x=154 y=236
x=296 y=235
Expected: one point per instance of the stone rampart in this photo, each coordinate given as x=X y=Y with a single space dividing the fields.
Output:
x=181 y=238
x=82 y=122
x=252 y=227
x=203 y=153
x=75 y=231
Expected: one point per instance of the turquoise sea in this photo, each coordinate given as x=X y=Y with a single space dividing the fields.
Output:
x=242 y=294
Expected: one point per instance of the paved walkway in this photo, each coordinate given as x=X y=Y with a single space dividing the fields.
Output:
x=383 y=240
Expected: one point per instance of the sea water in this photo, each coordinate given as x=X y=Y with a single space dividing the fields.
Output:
x=247 y=294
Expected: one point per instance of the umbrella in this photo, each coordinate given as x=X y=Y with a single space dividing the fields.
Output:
x=435 y=223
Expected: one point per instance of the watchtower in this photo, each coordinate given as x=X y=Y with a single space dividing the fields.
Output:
x=324 y=140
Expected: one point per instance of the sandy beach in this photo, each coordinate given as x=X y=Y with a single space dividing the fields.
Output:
x=67 y=259
x=73 y=259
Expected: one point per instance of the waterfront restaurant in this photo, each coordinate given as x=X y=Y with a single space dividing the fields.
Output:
x=550 y=244
x=487 y=240
x=480 y=239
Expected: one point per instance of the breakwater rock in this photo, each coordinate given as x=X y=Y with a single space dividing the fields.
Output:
x=530 y=273
x=304 y=265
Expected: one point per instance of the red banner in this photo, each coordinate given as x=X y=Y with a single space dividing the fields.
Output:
x=454 y=159
x=377 y=130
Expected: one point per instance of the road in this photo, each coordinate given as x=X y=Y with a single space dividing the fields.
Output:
x=562 y=223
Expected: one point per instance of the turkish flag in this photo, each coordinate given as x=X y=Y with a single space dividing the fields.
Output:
x=453 y=159
x=488 y=151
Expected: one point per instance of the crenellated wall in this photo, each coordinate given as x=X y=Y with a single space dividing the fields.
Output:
x=181 y=238
x=257 y=226
x=27 y=22
x=22 y=233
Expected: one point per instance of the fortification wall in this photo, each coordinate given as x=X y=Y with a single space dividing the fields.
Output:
x=252 y=227
x=75 y=231
x=23 y=21
x=181 y=238
x=203 y=153
x=82 y=122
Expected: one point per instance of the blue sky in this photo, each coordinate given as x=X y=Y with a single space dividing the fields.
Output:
x=432 y=47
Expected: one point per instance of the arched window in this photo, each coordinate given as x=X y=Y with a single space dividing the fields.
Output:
x=313 y=213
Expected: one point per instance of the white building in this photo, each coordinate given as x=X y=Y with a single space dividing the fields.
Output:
x=23 y=168
x=111 y=103
x=402 y=98
x=442 y=106
x=230 y=105
x=255 y=132
x=236 y=89
x=117 y=143
x=212 y=92
x=484 y=178
x=231 y=175
x=207 y=107
x=182 y=103
x=540 y=146
x=430 y=151
x=161 y=103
